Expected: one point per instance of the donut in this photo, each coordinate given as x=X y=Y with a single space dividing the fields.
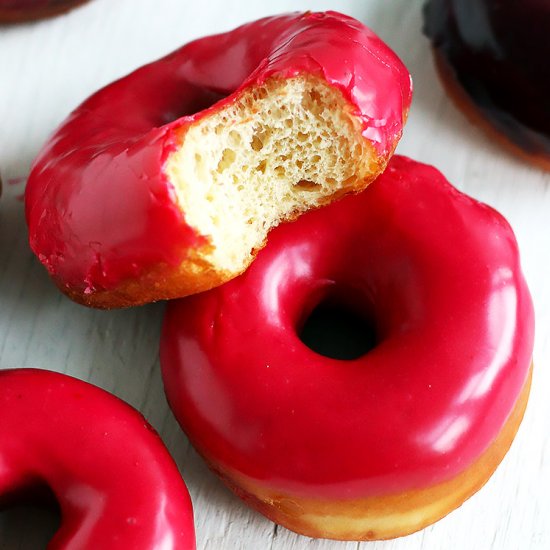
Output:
x=17 y=11
x=390 y=440
x=115 y=482
x=166 y=182
x=492 y=57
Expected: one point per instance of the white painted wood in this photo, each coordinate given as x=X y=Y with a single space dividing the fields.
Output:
x=47 y=68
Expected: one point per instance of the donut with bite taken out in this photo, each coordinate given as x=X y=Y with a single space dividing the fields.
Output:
x=167 y=182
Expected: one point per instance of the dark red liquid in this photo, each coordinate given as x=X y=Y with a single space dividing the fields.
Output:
x=499 y=51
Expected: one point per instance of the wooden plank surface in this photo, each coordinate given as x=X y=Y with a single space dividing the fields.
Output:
x=47 y=68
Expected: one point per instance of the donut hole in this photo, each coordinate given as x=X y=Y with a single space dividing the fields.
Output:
x=274 y=151
x=337 y=330
x=28 y=526
x=196 y=99
x=33 y=525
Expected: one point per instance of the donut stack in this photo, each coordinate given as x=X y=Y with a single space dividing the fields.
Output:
x=250 y=175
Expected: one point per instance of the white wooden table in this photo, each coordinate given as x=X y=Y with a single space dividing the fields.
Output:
x=47 y=68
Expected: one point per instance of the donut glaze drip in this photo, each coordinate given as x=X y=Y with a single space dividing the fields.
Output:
x=115 y=482
x=498 y=51
x=106 y=161
x=439 y=275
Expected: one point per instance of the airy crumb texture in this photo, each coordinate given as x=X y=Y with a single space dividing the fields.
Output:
x=275 y=151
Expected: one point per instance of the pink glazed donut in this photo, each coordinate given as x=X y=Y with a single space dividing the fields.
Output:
x=383 y=444
x=166 y=182
x=115 y=482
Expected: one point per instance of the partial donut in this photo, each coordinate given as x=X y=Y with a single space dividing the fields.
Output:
x=17 y=11
x=114 y=480
x=166 y=182
x=380 y=445
x=492 y=56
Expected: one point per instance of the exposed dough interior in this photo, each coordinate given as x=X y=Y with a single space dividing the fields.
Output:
x=275 y=151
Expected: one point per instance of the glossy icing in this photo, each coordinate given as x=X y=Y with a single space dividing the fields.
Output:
x=498 y=51
x=116 y=484
x=437 y=273
x=100 y=209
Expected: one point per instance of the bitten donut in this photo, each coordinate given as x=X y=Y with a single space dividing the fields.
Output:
x=16 y=11
x=116 y=485
x=166 y=182
x=382 y=445
x=492 y=56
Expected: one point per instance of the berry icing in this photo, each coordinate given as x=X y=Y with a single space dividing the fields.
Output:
x=99 y=207
x=115 y=482
x=437 y=275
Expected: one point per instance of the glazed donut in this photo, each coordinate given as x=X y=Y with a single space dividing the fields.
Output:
x=16 y=11
x=166 y=182
x=381 y=445
x=116 y=484
x=492 y=56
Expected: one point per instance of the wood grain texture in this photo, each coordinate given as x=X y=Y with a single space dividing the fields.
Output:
x=47 y=68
